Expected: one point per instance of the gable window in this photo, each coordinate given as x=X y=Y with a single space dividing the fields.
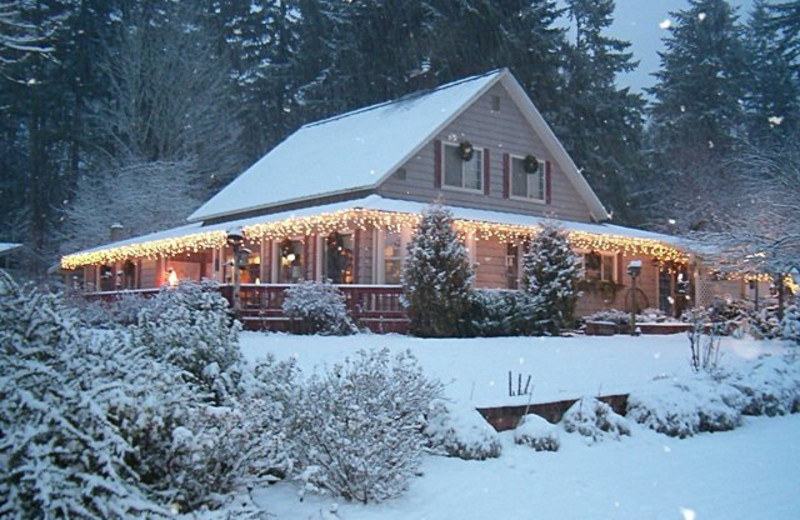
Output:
x=461 y=174
x=524 y=185
x=599 y=266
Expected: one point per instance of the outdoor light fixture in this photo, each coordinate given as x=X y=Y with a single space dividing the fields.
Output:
x=235 y=239
x=634 y=270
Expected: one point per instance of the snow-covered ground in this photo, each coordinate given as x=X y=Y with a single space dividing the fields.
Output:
x=750 y=472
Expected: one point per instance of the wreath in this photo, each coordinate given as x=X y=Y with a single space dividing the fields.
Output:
x=530 y=164
x=466 y=151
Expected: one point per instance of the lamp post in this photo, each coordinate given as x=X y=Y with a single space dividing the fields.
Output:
x=634 y=270
x=235 y=240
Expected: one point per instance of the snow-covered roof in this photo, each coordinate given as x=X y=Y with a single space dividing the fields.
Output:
x=6 y=247
x=358 y=150
x=378 y=203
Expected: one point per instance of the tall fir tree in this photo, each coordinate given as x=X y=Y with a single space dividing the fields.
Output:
x=601 y=124
x=551 y=272
x=699 y=88
x=773 y=90
x=437 y=276
x=696 y=117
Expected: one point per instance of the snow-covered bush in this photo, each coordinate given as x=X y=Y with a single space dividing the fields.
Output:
x=499 y=312
x=460 y=432
x=437 y=276
x=357 y=429
x=623 y=318
x=682 y=409
x=62 y=455
x=534 y=431
x=122 y=311
x=704 y=341
x=595 y=421
x=190 y=327
x=318 y=308
x=771 y=387
x=790 y=325
x=551 y=272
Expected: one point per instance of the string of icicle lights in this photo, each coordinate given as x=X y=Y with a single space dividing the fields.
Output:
x=364 y=220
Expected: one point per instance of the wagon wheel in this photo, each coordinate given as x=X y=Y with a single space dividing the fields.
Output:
x=641 y=300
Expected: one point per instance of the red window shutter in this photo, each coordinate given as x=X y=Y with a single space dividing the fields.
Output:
x=486 y=171
x=547 y=176
x=506 y=176
x=437 y=164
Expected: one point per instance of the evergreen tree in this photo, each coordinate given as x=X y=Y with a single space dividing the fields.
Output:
x=773 y=90
x=696 y=117
x=550 y=275
x=601 y=124
x=697 y=97
x=437 y=276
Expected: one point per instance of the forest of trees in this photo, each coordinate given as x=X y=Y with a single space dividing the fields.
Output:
x=135 y=111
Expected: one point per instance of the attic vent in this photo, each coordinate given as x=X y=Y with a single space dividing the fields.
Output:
x=400 y=174
x=496 y=103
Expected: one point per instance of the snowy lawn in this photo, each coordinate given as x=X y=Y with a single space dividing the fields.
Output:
x=475 y=371
x=750 y=472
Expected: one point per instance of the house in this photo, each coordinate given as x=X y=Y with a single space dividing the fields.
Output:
x=339 y=199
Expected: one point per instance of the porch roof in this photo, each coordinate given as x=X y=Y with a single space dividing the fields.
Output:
x=196 y=237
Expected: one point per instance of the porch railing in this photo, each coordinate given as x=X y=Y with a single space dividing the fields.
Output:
x=376 y=307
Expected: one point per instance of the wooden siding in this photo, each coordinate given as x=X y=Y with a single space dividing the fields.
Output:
x=491 y=268
x=500 y=132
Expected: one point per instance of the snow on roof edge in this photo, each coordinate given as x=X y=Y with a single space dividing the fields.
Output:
x=378 y=203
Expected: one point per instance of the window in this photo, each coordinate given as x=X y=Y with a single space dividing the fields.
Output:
x=392 y=256
x=337 y=258
x=512 y=265
x=291 y=261
x=599 y=266
x=526 y=185
x=459 y=173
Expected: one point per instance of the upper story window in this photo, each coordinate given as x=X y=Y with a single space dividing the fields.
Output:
x=524 y=185
x=460 y=173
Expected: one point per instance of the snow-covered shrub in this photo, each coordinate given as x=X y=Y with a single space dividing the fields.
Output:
x=460 y=432
x=681 y=409
x=318 y=308
x=790 y=325
x=771 y=387
x=551 y=272
x=704 y=341
x=499 y=312
x=123 y=310
x=357 y=429
x=437 y=276
x=190 y=327
x=534 y=431
x=61 y=452
x=594 y=420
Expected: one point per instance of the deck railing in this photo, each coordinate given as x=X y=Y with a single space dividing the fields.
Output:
x=376 y=307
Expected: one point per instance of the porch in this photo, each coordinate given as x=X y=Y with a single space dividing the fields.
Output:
x=373 y=307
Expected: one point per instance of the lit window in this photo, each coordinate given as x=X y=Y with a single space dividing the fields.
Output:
x=392 y=256
x=337 y=263
x=526 y=185
x=599 y=266
x=291 y=261
x=459 y=173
